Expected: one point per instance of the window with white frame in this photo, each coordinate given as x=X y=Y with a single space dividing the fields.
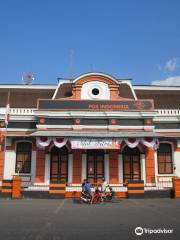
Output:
x=23 y=157
x=164 y=156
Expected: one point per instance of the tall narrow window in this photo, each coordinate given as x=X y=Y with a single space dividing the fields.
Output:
x=164 y=154
x=23 y=157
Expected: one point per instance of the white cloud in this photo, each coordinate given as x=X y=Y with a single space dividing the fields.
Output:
x=170 y=81
x=169 y=66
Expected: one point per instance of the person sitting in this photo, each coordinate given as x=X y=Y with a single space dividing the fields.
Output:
x=83 y=184
x=97 y=194
x=104 y=185
x=87 y=187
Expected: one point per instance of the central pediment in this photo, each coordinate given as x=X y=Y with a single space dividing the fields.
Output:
x=93 y=86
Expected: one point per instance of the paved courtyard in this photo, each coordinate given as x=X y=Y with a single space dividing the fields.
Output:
x=66 y=219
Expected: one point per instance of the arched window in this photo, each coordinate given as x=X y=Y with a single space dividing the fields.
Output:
x=23 y=157
x=164 y=154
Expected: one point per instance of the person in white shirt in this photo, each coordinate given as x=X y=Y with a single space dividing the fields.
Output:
x=104 y=185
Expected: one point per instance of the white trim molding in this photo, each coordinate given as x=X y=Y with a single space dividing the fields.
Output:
x=33 y=166
x=106 y=166
x=155 y=87
x=177 y=163
x=120 y=168
x=84 y=166
x=143 y=167
x=47 y=168
x=95 y=74
x=21 y=86
x=70 y=168
x=9 y=164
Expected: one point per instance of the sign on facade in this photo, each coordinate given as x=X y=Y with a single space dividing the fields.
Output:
x=92 y=143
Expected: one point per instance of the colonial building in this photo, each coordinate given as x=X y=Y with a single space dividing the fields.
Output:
x=90 y=127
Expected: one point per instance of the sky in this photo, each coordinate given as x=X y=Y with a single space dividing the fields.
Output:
x=135 y=39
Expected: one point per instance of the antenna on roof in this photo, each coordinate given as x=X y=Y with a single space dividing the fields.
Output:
x=70 y=70
x=27 y=78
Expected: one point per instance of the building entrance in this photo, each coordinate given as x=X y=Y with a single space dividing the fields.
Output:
x=59 y=165
x=131 y=164
x=95 y=165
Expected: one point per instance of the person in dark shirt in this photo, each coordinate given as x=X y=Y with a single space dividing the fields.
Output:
x=83 y=184
x=87 y=187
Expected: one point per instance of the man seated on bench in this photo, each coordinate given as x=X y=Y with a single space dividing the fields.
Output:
x=87 y=187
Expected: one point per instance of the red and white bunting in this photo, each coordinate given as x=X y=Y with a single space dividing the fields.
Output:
x=131 y=142
x=60 y=142
x=43 y=142
x=88 y=143
x=150 y=142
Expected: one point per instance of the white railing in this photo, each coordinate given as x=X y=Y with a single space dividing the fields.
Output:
x=168 y=112
x=30 y=111
x=22 y=111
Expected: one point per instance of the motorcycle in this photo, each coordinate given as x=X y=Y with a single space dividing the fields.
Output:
x=85 y=197
x=109 y=195
x=99 y=197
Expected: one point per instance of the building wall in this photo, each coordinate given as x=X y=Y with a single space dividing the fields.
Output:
x=113 y=167
x=77 y=166
x=9 y=164
x=40 y=166
x=1 y=156
x=177 y=159
x=77 y=159
x=150 y=166
x=1 y=164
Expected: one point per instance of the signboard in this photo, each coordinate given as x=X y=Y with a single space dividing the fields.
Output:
x=95 y=143
x=96 y=105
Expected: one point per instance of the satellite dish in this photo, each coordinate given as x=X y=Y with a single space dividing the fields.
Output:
x=27 y=78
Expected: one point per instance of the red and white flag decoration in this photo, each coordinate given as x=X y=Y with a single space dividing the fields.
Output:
x=7 y=114
x=59 y=142
x=43 y=142
x=150 y=142
x=132 y=142
x=78 y=143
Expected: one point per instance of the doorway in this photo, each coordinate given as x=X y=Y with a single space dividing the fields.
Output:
x=131 y=164
x=95 y=165
x=59 y=165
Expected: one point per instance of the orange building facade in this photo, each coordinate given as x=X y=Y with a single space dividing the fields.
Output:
x=91 y=127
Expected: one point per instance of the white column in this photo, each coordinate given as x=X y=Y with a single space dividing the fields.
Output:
x=143 y=167
x=120 y=168
x=177 y=163
x=84 y=166
x=70 y=168
x=33 y=166
x=47 y=169
x=9 y=164
x=106 y=166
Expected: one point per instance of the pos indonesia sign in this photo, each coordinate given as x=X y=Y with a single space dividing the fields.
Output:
x=96 y=105
x=95 y=143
